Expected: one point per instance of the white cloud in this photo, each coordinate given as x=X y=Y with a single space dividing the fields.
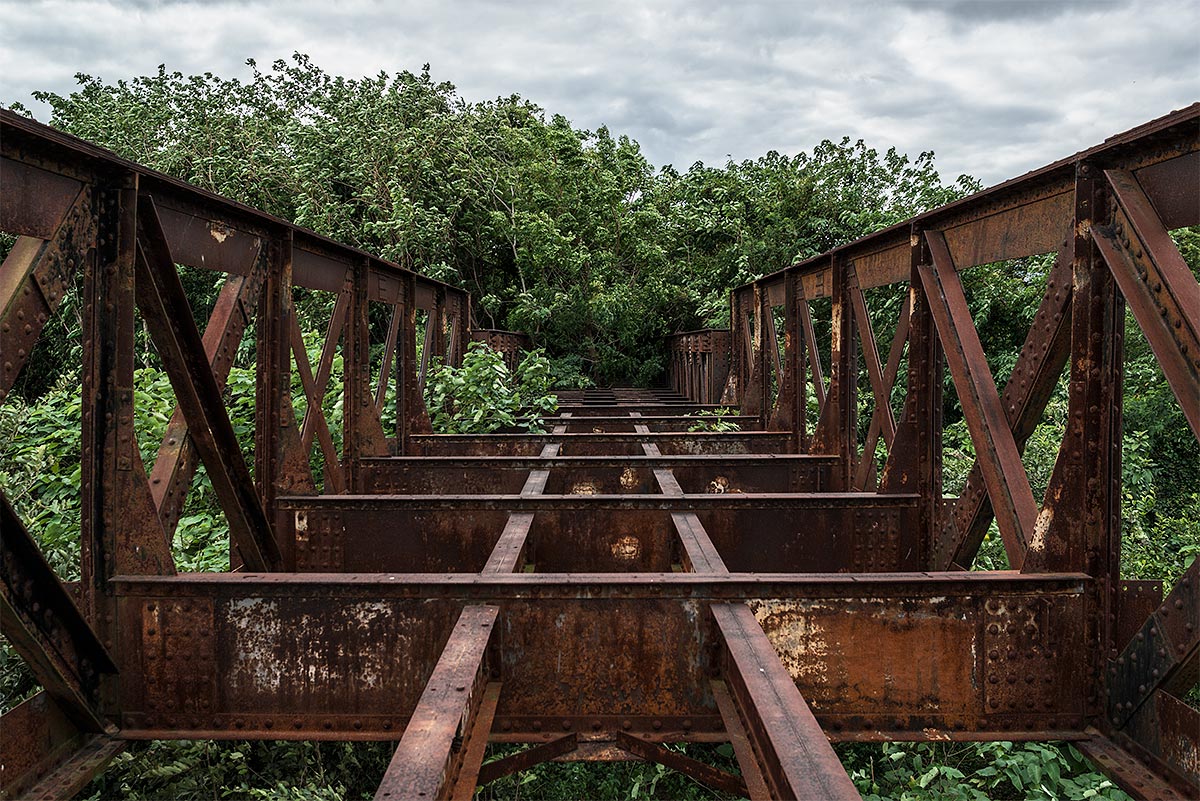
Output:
x=994 y=88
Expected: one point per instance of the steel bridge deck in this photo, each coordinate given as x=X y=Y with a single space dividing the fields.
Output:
x=622 y=581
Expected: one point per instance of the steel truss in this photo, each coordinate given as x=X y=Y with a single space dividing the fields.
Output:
x=620 y=582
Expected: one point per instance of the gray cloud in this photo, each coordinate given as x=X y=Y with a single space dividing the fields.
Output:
x=994 y=88
x=973 y=11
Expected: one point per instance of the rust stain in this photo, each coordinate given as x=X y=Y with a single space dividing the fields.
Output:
x=1187 y=753
x=816 y=642
x=219 y=232
x=721 y=485
x=627 y=548
x=1041 y=527
x=263 y=640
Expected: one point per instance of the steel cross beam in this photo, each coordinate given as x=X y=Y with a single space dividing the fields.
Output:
x=998 y=456
x=34 y=279
x=440 y=732
x=797 y=760
x=790 y=752
x=700 y=771
x=882 y=421
x=1030 y=386
x=47 y=630
x=1161 y=291
x=171 y=477
x=1165 y=652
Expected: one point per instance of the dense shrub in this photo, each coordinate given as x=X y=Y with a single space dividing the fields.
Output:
x=483 y=396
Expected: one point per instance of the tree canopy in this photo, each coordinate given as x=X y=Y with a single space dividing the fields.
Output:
x=570 y=235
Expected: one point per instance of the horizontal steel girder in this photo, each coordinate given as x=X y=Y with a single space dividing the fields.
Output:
x=346 y=656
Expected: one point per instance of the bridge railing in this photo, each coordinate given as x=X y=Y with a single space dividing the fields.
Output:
x=511 y=344
x=1103 y=218
x=121 y=238
x=698 y=364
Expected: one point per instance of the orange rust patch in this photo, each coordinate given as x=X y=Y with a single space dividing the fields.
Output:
x=820 y=645
x=218 y=231
x=627 y=548
x=720 y=485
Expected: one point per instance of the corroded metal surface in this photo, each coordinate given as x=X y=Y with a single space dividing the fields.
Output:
x=511 y=344
x=698 y=364
x=621 y=581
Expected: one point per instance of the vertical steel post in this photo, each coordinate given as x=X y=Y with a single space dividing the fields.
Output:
x=108 y=442
x=914 y=464
x=1079 y=526
x=280 y=466
x=837 y=430
x=357 y=398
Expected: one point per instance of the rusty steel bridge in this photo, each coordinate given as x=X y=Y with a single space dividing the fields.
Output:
x=619 y=582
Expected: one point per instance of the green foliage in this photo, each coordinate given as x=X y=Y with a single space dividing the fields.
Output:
x=1160 y=506
x=714 y=420
x=483 y=396
x=267 y=770
x=612 y=780
x=40 y=470
x=569 y=235
x=975 y=772
x=567 y=372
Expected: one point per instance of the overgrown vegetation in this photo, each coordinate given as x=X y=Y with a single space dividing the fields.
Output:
x=975 y=772
x=714 y=420
x=573 y=237
x=483 y=396
x=569 y=235
x=194 y=771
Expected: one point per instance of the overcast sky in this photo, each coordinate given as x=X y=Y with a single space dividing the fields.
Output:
x=993 y=87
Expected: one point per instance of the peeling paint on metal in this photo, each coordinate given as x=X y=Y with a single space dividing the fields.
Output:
x=629 y=478
x=627 y=548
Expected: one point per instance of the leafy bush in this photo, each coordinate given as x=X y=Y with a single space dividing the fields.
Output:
x=483 y=396
x=265 y=769
x=714 y=420
x=567 y=372
x=975 y=772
